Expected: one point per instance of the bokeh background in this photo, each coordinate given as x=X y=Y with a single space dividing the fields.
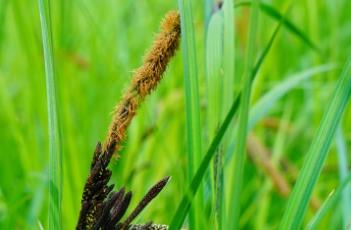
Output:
x=97 y=44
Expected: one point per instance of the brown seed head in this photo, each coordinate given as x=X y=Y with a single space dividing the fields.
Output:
x=145 y=78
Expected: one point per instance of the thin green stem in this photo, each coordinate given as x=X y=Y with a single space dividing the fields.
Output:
x=55 y=164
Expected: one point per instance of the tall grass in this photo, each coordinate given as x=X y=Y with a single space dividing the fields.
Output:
x=220 y=90
x=241 y=134
x=230 y=81
x=55 y=158
x=192 y=103
x=315 y=158
x=184 y=129
x=214 y=65
x=185 y=204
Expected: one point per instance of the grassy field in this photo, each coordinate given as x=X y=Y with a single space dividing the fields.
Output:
x=251 y=121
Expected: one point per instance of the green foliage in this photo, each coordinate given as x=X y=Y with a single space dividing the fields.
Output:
x=317 y=153
x=192 y=102
x=68 y=63
x=242 y=131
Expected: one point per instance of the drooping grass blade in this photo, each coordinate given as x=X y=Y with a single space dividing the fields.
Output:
x=262 y=107
x=265 y=103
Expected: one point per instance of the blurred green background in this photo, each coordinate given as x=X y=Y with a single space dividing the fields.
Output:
x=97 y=44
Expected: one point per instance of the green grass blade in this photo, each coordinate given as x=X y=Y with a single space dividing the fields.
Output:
x=276 y=15
x=329 y=203
x=229 y=81
x=228 y=55
x=214 y=72
x=317 y=153
x=254 y=74
x=55 y=165
x=184 y=205
x=241 y=134
x=191 y=100
x=343 y=172
x=214 y=59
x=40 y=225
x=261 y=108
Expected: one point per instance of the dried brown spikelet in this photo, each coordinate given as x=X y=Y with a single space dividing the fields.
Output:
x=145 y=78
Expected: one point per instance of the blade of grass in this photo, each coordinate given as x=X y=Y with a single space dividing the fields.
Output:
x=230 y=86
x=317 y=153
x=329 y=203
x=214 y=74
x=214 y=59
x=192 y=102
x=278 y=148
x=227 y=37
x=185 y=203
x=228 y=55
x=273 y=13
x=241 y=134
x=55 y=165
x=343 y=171
x=261 y=108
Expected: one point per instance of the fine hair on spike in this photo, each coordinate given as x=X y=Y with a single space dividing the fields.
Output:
x=145 y=78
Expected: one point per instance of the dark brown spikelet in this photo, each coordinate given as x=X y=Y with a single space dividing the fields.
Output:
x=150 y=195
x=101 y=208
x=95 y=190
x=145 y=78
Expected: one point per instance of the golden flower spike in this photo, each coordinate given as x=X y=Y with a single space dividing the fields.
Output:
x=145 y=78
